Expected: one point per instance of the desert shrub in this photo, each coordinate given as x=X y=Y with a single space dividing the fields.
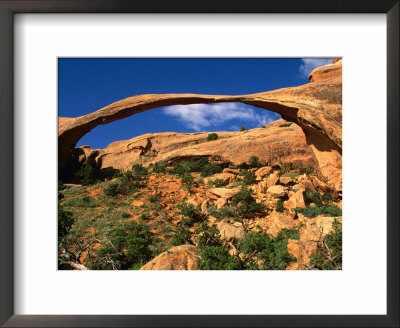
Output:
x=313 y=197
x=285 y=168
x=245 y=204
x=60 y=196
x=84 y=201
x=237 y=184
x=249 y=177
x=306 y=170
x=208 y=235
x=196 y=164
x=87 y=175
x=327 y=198
x=190 y=213
x=65 y=222
x=217 y=183
x=111 y=189
x=139 y=170
x=126 y=184
x=212 y=136
x=242 y=128
x=129 y=247
x=313 y=211
x=181 y=236
x=254 y=161
x=291 y=234
x=279 y=206
x=285 y=125
x=271 y=252
x=186 y=178
x=291 y=175
x=329 y=251
x=210 y=169
x=224 y=212
x=158 y=167
x=217 y=258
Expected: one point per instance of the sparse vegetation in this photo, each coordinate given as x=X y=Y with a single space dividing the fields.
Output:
x=285 y=125
x=279 y=206
x=217 y=183
x=254 y=161
x=212 y=136
x=329 y=251
x=84 y=201
x=313 y=211
x=245 y=204
x=249 y=177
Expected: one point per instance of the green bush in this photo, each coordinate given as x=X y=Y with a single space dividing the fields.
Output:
x=291 y=234
x=186 y=178
x=329 y=252
x=111 y=189
x=245 y=204
x=272 y=252
x=285 y=167
x=312 y=212
x=249 y=177
x=279 y=206
x=285 y=125
x=217 y=258
x=158 y=167
x=242 y=128
x=208 y=235
x=254 y=161
x=87 y=175
x=223 y=213
x=181 y=236
x=139 y=170
x=327 y=198
x=128 y=247
x=190 y=213
x=65 y=222
x=212 y=136
x=306 y=170
x=237 y=184
x=84 y=201
x=313 y=197
x=217 y=183
x=210 y=169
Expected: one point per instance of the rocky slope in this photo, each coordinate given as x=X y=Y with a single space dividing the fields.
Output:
x=298 y=213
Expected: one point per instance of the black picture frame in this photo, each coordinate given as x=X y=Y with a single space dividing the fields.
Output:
x=10 y=7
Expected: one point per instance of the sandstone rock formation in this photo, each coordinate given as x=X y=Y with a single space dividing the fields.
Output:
x=315 y=107
x=184 y=257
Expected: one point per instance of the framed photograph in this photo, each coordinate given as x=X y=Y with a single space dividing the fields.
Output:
x=199 y=164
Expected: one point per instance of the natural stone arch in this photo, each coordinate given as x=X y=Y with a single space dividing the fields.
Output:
x=316 y=107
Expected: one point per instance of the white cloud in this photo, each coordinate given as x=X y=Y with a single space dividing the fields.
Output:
x=310 y=63
x=206 y=116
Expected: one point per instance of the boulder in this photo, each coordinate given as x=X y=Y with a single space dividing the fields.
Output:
x=216 y=193
x=277 y=191
x=184 y=257
x=311 y=233
x=231 y=171
x=231 y=231
x=262 y=172
x=286 y=181
x=296 y=199
x=221 y=202
x=226 y=177
x=272 y=180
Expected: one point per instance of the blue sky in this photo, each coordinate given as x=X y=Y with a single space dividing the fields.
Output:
x=88 y=84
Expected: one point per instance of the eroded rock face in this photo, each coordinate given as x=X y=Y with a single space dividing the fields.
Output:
x=184 y=257
x=315 y=107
